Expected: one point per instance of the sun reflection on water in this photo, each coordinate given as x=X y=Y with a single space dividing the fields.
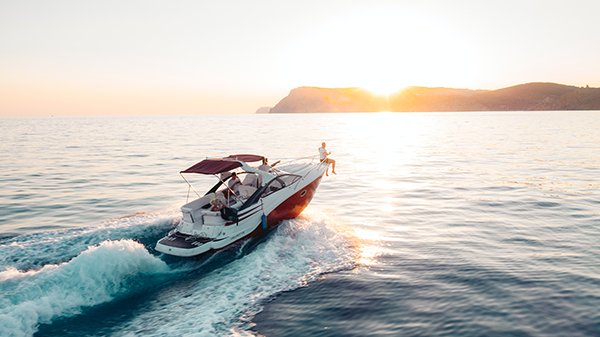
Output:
x=369 y=247
x=382 y=141
x=365 y=243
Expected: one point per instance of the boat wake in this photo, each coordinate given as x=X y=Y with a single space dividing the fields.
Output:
x=55 y=274
x=54 y=280
x=224 y=301
x=98 y=275
x=33 y=251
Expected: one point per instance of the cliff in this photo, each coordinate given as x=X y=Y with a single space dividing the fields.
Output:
x=263 y=110
x=529 y=96
x=312 y=99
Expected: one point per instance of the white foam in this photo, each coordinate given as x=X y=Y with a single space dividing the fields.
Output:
x=54 y=247
x=223 y=302
x=98 y=275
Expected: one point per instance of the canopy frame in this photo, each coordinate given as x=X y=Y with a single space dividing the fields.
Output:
x=215 y=166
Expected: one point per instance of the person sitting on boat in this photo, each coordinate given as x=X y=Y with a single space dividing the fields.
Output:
x=265 y=165
x=216 y=205
x=234 y=183
x=323 y=157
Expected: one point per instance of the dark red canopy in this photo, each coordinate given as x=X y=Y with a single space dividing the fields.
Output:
x=219 y=165
x=249 y=158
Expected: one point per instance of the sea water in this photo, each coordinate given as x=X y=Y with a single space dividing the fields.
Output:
x=437 y=224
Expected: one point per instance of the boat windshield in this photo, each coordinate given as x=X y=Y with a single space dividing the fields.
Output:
x=271 y=187
x=279 y=182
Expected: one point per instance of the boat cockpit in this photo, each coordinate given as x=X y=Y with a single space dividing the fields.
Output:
x=202 y=219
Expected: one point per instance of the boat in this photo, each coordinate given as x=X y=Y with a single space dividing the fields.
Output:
x=221 y=217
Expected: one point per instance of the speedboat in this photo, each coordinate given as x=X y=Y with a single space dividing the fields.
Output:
x=222 y=217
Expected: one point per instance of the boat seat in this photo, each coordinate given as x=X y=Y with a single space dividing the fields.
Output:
x=246 y=191
x=192 y=210
x=251 y=179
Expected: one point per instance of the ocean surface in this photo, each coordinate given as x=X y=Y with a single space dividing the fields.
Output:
x=437 y=224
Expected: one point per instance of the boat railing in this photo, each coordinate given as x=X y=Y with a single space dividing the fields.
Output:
x=288 y=161
x=318 y=166
x=303 y=160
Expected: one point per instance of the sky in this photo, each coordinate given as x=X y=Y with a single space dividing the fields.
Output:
x=232 y=57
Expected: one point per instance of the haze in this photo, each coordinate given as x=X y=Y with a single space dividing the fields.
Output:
x=200 y=57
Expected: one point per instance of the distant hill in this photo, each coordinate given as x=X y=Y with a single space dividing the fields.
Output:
x=529 y=96
x=436 y=99
x=522 y=97
x=579 y=99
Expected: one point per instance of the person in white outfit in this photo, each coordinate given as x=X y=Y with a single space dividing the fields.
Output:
x=265 y=165
x=234 y=183
x=324 y=158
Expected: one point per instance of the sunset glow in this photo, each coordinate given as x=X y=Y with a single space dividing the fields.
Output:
x=382 y=49
x=74 y=58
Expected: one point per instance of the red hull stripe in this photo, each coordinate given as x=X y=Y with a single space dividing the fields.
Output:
x=244 y=215
x=247 y=215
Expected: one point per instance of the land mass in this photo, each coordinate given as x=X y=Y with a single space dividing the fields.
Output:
x=522 y=97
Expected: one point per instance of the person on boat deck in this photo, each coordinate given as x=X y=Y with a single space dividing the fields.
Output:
x=323 y=157
x=234 y=183
x=265 y=165
x=216 y=205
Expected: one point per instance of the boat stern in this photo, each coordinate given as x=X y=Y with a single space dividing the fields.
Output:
x=183 y=245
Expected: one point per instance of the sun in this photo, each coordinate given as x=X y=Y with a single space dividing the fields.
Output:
x=380 y=49
x=382 y=88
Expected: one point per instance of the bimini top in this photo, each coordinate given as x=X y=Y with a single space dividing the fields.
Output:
x=220 y=165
